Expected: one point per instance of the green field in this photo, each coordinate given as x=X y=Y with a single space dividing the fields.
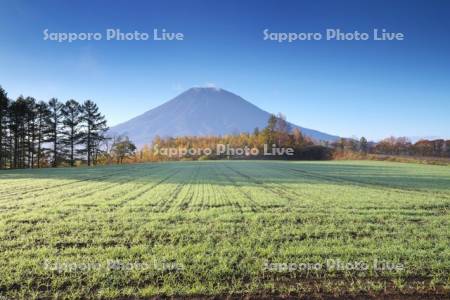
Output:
x=225 y=227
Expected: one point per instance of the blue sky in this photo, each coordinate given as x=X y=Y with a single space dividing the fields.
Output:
x=349 y=88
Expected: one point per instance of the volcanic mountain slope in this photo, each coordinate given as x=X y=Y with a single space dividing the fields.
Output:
x=201 y=111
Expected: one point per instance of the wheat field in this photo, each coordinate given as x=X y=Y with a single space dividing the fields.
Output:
x=216 y=228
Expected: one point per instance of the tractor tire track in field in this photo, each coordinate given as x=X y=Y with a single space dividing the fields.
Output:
x=185 y=202
x=255 y=207
x=161 y=205
x=123 y=192
x=225 y=196
x=67 y=195
x=279 y=191
x=64 y=198
x=366 y=184
x=24 y=192
x=286 y=189
x=173 y=195
x=47 y=188
x=145 y=190
x=204 y=202
x=95 y=187
x=107 y=187
x=122 y=182
x=209 y=195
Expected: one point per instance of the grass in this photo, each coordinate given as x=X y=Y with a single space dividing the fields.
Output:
x=224 y=228
x=429 y=160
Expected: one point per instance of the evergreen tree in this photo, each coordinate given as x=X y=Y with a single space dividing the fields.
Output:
x=71 y=133
x=4 y=106
x=27 y=125
x=363 y=145
x=54 y=122
x=95 y=127
x=30 y=123
x=42 y=115
x=17 y=116
x=269 y=131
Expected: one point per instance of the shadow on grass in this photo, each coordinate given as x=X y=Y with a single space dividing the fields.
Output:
x=254 y=173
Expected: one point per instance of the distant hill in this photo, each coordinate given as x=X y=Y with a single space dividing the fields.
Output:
x=201 y=111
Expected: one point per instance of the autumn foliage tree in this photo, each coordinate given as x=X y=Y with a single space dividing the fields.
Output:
x=122 y=148
x=398 y=146
x=277 y=132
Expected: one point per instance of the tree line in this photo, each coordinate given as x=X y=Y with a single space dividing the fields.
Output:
x=36 y=134
x=277 y=132
x=401 y=146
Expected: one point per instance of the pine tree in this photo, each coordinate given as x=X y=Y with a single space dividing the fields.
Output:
x=4 y=106
x=30 y=125
x=17 y=116
x=27 y=125
x=363 y=145
x=269 y=131
x=54 y=122
x=43 y=113
x=95 y=127
x=71 y=134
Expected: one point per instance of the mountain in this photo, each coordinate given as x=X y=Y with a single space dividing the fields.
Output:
x=201 y=111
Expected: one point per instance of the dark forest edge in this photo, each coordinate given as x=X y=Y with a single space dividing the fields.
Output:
x=37 y=134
